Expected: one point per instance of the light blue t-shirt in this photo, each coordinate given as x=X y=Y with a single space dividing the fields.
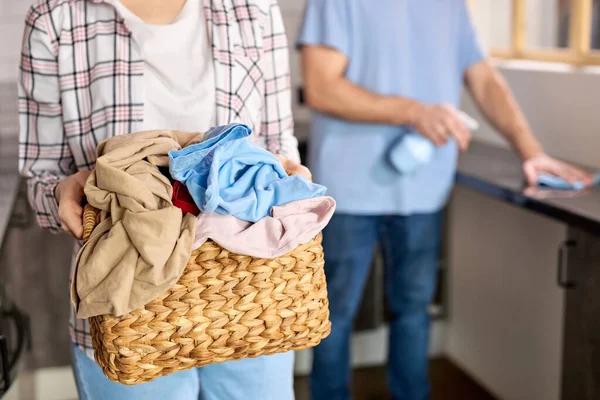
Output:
x=418 y=49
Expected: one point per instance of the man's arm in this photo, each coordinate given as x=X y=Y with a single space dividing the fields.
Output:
x=328 y=91
x=494 y=98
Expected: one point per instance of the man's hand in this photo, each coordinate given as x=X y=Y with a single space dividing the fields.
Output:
x=543 y=163
x=438 y=123
x=292 y=167
x=69 y=195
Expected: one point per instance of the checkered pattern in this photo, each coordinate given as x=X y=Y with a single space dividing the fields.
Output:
x=81 y=82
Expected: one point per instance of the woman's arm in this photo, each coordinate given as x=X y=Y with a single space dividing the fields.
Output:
x=277 y=122
x=44 y=156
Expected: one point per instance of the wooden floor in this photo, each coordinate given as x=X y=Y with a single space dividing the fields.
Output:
x=448 y=383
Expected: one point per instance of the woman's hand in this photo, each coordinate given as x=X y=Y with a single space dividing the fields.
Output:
x=292 y=167
x=69 y=195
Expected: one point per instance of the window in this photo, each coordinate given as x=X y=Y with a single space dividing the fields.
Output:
x=544 y=30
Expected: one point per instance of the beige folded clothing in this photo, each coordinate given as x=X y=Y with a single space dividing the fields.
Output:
x=288 y=226
x=142 y=248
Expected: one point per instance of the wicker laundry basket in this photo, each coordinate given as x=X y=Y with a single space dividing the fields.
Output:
x=224 y=307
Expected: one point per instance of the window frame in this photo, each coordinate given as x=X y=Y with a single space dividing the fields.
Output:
x=580 y=30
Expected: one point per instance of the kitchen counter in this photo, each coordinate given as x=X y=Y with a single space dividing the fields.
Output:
x=496 y=172
x=487 y=274
x=9 y=181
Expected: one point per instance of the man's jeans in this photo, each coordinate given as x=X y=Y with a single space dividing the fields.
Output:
x=410 y=247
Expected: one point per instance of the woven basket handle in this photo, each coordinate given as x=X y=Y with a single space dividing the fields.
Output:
x=89 y=221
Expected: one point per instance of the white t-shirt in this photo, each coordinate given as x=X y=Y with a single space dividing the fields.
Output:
x=179 y=76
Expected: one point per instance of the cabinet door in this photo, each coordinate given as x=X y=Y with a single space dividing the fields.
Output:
x=581 y=351
x=505 y=311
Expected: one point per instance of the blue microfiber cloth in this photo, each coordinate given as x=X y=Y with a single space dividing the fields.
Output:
x=229 y=174
x=554 y=182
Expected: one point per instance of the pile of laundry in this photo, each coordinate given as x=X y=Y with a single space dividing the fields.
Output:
x=162 y=194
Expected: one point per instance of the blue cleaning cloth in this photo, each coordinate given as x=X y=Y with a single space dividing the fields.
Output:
x=554 y=182
x=229 y=174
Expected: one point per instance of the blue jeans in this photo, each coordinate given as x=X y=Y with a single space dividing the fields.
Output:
x=410 y=248
x=262 y=378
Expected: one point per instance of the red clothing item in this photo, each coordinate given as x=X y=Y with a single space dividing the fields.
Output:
x=183 y=199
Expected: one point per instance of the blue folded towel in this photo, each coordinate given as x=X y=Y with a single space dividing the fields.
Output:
x=554 y=182
x=229 y=174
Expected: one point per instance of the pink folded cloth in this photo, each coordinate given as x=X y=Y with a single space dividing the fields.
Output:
x=288 y=226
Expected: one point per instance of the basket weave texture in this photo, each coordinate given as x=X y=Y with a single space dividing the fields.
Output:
x=224 y=307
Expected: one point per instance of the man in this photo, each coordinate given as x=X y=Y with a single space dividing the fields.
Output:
x=374 y=70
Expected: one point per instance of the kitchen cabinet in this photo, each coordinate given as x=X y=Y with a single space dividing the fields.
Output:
x=524 y=282
x=505 y=309
x=580 y=276
x=34 y=266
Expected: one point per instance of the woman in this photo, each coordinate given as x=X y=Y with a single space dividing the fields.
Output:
x=92 y=69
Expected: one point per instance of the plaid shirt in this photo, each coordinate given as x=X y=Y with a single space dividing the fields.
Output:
x=82 y=82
